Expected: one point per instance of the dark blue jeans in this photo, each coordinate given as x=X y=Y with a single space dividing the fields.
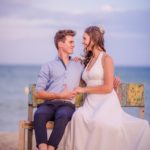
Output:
x=58 y=111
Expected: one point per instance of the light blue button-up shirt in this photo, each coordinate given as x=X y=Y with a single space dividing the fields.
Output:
x=55 y=74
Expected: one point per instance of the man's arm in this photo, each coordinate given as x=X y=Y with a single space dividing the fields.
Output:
x=66 y=94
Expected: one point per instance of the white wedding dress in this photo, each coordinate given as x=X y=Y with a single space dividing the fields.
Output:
x=101 y=124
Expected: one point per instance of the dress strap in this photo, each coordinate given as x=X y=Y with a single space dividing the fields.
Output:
x=101 y=57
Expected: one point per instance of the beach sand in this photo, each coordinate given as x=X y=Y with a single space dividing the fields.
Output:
x=9 y=141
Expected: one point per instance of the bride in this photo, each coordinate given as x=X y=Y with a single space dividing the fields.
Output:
x=101 y=124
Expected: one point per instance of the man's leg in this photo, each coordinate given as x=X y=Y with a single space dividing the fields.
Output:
x=43 y=114
x=63 y=115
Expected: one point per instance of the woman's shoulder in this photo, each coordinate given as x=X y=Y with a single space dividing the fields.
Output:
x=105 y=55
x=106 y=58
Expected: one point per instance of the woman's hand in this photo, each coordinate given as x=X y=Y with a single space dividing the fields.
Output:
x=66 y=94
x=79 y=90
x=116 y=82
x=77 y=59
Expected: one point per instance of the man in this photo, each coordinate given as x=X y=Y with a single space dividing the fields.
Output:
x=55 y=85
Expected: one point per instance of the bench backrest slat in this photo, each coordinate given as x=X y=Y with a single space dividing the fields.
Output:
x=130 y=94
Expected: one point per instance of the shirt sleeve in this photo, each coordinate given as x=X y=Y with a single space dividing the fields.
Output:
x=43 y=78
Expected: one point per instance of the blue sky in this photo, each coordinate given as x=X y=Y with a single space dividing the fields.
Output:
x=27 y=28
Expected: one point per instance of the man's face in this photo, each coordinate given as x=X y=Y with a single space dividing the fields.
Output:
x=68 y=45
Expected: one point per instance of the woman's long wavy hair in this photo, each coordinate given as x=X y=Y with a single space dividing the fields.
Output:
x=97 y=37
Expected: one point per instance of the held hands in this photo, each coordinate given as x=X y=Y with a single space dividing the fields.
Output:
x=66 y=94
x=78 y=90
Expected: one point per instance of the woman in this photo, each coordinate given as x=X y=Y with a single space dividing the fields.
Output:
x=101 y=124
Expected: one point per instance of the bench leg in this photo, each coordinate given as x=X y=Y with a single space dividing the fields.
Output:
x=21 y=135
x=29 y=139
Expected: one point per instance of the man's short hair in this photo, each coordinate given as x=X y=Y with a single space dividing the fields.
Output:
x=61 y=36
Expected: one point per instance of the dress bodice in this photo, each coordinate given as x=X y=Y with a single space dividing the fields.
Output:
x=94 y=76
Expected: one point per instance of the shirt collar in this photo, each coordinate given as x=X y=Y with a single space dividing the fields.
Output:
x=59 y=59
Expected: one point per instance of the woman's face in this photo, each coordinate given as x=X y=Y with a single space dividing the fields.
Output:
x=86 y=41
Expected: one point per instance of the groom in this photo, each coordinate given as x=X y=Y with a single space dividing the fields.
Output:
x=55 y=85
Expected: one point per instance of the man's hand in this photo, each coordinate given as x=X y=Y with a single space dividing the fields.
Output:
x=116 y=82
x=66 y=94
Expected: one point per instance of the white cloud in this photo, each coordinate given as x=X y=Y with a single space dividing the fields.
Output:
x=107 y=8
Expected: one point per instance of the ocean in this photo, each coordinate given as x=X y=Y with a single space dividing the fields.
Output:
x=14 y=79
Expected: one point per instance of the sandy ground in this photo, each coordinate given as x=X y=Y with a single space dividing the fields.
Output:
x=9 y=141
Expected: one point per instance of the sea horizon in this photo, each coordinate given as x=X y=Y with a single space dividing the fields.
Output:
x=118 y=66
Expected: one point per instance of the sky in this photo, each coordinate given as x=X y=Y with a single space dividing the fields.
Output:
x=27 y=29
